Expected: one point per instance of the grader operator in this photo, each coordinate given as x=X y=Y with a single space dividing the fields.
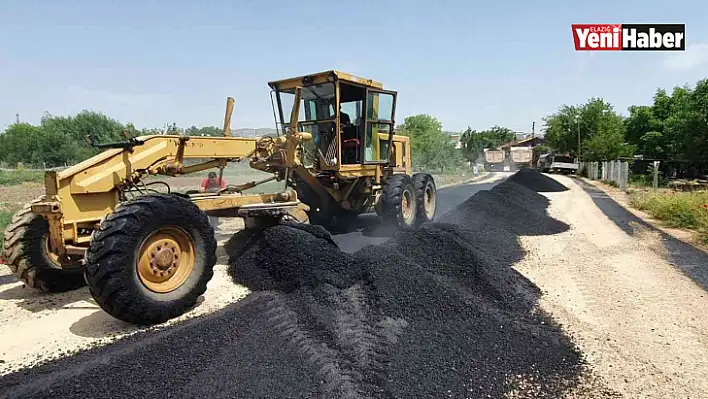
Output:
x=147 y=256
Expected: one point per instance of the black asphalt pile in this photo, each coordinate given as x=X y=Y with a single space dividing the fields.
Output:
x=286 y=258
x=530 y=200
x=523 y=213
x=437 y=312
x=537 y=181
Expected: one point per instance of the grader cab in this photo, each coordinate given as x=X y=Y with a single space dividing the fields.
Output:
x=147 y=256
x=355 y=163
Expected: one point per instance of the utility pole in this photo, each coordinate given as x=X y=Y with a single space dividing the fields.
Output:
x=578 y=139
x=17 y=118
x=533 y=129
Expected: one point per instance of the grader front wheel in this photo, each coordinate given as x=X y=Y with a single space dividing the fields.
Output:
x=151 y=259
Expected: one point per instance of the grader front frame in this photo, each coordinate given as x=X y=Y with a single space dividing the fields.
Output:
x=99 y=217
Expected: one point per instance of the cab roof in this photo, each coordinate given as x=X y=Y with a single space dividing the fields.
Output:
x=322 y=77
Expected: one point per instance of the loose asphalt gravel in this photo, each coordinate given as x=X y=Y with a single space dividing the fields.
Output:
x=434 y=313
x=536 y=181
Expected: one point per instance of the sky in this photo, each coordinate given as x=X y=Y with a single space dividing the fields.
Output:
x=467 y=63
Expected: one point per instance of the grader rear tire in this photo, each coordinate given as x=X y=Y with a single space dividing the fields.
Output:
x=26 y=251
x=151 y=259
x=398 y=202
x=426 y=197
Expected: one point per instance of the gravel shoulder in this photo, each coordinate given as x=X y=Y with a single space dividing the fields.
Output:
x=627 y=294
x=622 y=198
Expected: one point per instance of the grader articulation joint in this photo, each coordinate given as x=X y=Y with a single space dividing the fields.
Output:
x=147 y=255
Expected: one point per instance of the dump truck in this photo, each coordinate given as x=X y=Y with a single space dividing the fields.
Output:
x=521 y=157
x=147 y=255
x=493 y=159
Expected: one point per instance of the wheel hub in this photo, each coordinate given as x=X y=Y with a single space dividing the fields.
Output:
x=166 y=259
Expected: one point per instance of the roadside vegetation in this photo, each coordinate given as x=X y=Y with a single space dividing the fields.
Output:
x=11 y=178
x=671 y=128
x=676 y=209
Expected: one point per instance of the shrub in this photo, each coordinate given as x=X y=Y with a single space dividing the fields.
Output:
x=687 y=210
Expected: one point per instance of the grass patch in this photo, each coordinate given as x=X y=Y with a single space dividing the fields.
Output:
x=676 y=209
x=647 y=181
x=19 y=177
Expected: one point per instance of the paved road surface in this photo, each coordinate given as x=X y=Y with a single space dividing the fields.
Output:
x=368 y=229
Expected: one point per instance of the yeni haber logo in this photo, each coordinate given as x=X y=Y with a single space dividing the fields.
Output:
x=657 y=37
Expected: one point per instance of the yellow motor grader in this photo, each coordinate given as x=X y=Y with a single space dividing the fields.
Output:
x=147 y=255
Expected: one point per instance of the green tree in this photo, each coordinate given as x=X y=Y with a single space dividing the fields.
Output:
x=640 y=121
x=59 y=140
x=560 y=128
x=594 y=128
x=422 y=129
x=431 y=147
x=65 y=135
x=211 y=131
x=675 y=126
x=19 y=143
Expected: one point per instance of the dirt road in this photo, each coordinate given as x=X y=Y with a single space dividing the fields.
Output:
x=631 y=299
x=36 y=327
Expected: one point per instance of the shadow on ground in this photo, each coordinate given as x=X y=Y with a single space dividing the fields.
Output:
x=34 y=301
x=8 y=279
x=98 y=324
x=688 y=259
x=102 y=325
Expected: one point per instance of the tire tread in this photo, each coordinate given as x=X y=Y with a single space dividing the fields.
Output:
x=113 y=287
